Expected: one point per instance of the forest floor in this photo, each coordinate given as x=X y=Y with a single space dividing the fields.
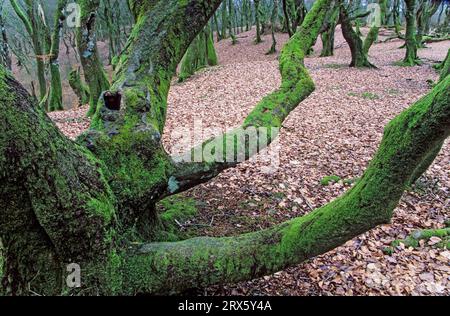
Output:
x=335 y=131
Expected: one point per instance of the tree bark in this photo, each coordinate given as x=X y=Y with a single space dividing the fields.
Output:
x=411 y=58
x=5 y=55
x=328 y=32
x=79 y=87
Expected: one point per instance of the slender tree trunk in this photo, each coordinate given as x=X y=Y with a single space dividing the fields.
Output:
x=359 y=57
x=111 y=30
x=216 y=23
x=328 y=32
x=31 y=23
x=93 y=70
x=286 y=18
x=5 y=56
x=224 y=20
x=90 y=202
x=78 y=86
x=55 y=101
x=258 y=23
x=231 y=21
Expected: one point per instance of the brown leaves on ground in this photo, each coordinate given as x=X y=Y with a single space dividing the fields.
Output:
x=335 y=131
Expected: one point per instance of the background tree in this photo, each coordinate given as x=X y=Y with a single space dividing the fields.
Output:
x=273 y=21
x=328 y=31
x=257 y=21
x=34 y=26
x=55 y=100
x=201 y=53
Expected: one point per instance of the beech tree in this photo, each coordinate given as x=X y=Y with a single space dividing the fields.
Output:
x=5 y=56
x=92 y=201
x=411 y=57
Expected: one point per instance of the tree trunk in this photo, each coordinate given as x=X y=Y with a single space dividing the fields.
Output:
x=258 y=23
x=31 y=24
x=286 y=18
x=328 y=32
x=359 y=57
x=90 y=202
x=78 y=86
x=55 y=101
x=87 y=47
x=224 y=20
x=5 y=56
x=273 y=20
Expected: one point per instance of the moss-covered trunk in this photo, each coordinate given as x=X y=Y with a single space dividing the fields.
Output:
x=257 y=22
x=79 y=87
x=359 y=57
x=55 y=101
x=87 y=48
x=411 y=58
x=328 y=32
x=91 y=202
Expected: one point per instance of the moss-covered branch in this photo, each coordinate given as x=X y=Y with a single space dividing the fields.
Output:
x=267 y=117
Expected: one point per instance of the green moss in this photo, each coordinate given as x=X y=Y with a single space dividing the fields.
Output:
x=370 y=95
x=325 y=181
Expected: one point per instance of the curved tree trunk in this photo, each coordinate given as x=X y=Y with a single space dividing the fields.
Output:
x=91 y=202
